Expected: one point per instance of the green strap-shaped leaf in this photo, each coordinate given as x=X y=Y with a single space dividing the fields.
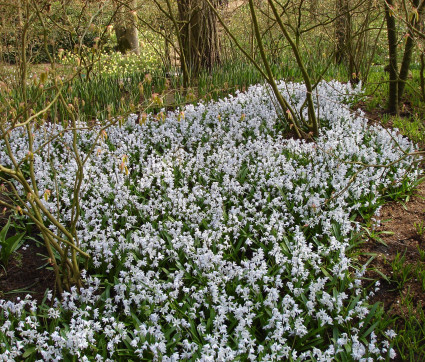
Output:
x=4 y=231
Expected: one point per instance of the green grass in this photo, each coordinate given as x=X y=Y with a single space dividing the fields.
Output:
x=410 y=321
x=412 y=127
x=410 y=122
x=410 y=329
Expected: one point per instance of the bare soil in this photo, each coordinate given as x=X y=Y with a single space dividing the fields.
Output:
x=28 y=272
x=401 y=236
x=401 y=232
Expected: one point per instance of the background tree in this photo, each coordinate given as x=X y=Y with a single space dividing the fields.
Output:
x=392 y=51
x=199 y=34
x=342 y=31
x=126 y=26
x=410 y=16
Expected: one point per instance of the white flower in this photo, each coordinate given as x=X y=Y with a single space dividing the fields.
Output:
x=390 y=334
x=53 y=313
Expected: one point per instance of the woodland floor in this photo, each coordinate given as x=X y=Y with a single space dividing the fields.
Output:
x=402 y=242
x=399 y=233
x=29 y=271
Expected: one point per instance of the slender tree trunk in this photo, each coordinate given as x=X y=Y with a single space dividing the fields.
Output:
x=405 y=65
x=19 y=4
x=342 y=31
x=392 y=50
x=167 y=53
x=422 y=77
x=126 y=27
x=252 y=41
x=313 y=9
x=408 y=49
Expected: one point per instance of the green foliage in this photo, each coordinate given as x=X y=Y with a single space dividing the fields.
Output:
x=404 y=191
x=8 y=245
x=413 y=127
x=410 y=122
x=119 y=84
x=372 y=234
x=410 y=329
x=419 y=227
x=410 y=321
x=402 y=271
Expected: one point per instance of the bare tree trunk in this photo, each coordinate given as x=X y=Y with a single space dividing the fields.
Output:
x=125 y=27
x=167 y=53
x=342 y=31
x=392 y=50
x=313 y=8
x=408 y=49
x=397 y=79
x=199 y=35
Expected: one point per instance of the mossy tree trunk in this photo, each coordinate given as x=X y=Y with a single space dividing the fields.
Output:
x=408 y=48
x=397 y=79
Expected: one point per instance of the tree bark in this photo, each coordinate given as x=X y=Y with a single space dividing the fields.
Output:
x=126 y=27
x=313 y=9
x=392 y=51
x=342 y=31
x=408 y=49
x=199 y=35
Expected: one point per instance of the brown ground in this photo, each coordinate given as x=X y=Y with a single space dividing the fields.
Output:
x=27 y=271
x=26 y=274
x=400 y=231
